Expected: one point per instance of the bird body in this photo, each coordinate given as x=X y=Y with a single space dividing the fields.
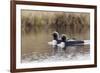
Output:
x=62 y=42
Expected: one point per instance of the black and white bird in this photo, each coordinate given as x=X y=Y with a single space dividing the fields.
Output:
x=56 y=40
x=71 y=42
x=62 y=42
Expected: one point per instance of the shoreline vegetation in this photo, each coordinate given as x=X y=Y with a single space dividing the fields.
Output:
x=37 y=28
x=71 y=24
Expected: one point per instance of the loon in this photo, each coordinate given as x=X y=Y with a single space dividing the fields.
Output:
x=62 y=42
x=56 y=40
x=71 y=42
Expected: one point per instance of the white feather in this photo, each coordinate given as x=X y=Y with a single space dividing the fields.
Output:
x=61 y=45
x=86 y=42
x=53 y=43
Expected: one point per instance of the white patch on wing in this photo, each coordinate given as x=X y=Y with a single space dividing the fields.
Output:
x=86 y=42
x=53 y=43
x=71 y=40
x=61 y=45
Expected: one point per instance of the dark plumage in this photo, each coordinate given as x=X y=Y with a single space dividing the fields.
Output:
x=63 y=42
x=63 y=39
x=56 y=38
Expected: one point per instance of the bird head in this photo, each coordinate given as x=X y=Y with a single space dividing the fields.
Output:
x=55 y=35
x=63 y=38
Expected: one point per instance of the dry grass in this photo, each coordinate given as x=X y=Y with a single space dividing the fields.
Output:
x=71 y=24
x=37 y=27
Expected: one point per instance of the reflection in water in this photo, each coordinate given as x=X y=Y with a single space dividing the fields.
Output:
x=74 y=53
x=36 y=29
x=35 y=48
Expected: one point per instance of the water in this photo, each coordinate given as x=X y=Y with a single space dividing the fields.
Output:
x=73 y=53
x=54 y=58
x=35 y=48
x=37 y=27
